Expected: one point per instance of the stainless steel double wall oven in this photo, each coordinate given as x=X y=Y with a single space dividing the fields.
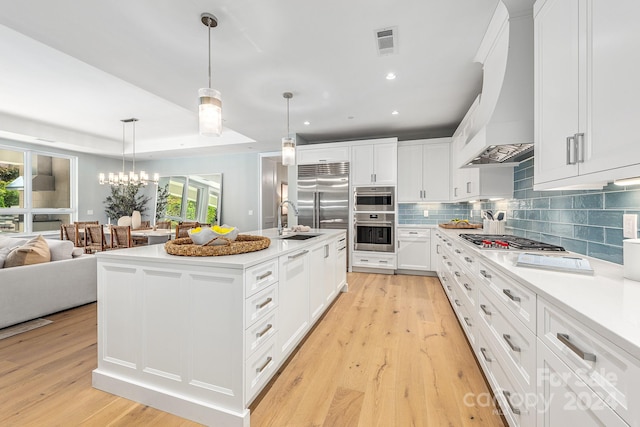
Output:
x=374 y=219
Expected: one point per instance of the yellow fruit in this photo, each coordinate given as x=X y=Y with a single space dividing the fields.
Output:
x=196 y=230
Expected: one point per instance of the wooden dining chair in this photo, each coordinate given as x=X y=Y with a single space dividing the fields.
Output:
x=144 y=225
x=183 y=227
x=163 y=225
x=94 y=238
x=70 y=232
x=120 y=236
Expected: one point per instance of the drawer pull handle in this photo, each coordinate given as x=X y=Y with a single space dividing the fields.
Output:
x=413 y=232
x=456 y=273
x=507 y=338
x=383 y=261
x=507 y=396
x=444 y=257
x=466 y=320
x=264 y=331
x=448 y=263
x=263 y=367
x=457 y=303
x=449 y=287
x=262 y=276
x=485 y=274
x=512 y=297
x=261 y=305
x=564 y=339
x=467 y=287
x=449 y=244
x=364 y=260
x=484 y=309
x=458 y=251
x=297 y=255
x=469 y=260
x=484 y=354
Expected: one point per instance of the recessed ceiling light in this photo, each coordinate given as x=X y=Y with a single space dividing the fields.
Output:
x=395 y=112
x=307 y=122
x=391 y=76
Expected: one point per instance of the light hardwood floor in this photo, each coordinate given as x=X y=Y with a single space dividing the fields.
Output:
x=387 y=353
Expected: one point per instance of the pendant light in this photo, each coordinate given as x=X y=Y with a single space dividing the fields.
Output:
x=121 y=178
x=288 y=143
x=210 y=109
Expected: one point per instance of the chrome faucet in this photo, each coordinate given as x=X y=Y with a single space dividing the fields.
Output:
x=280 y=214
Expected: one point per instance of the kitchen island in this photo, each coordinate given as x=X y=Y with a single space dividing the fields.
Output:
x=200 y=336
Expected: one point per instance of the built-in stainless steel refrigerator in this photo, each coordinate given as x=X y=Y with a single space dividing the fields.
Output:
x=323 y=195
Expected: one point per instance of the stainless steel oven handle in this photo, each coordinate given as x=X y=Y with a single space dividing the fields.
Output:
x=374 y=223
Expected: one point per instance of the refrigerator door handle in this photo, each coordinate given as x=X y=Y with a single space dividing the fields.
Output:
x=316 y=221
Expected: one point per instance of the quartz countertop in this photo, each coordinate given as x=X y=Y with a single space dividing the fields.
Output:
x=278 y=246
x=606 y=301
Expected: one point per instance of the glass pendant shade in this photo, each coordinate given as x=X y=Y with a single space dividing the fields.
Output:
x=210 y=112
x=288 y=151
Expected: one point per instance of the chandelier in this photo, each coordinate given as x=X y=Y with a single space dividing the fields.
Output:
x=121 y=178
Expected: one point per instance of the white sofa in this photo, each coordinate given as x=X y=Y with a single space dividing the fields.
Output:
x=31 y=291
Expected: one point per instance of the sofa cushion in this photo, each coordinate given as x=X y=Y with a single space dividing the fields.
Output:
x=60 y=249
x=4 y=252
x=11 y=242
x=77 y=252
x=35 y=251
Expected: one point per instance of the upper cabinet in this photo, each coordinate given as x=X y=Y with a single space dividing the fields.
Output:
x=323 y=153
x=424 y=171
x=374 y=162
x=587 y=91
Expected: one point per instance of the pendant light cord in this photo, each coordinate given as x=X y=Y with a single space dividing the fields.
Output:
x=209 y=26
x=134 y=147
x=123 y=129
x=288 y=133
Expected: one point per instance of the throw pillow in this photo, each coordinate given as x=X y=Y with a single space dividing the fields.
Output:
x=35 y=251
x=4 y=252
x=77 y=252
x=10 y=242
x=60 y=249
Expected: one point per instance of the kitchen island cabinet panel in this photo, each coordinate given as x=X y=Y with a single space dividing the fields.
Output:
x=200 y=336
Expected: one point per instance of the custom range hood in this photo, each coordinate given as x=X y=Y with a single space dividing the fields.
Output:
x=43 y=179
x=499 y=126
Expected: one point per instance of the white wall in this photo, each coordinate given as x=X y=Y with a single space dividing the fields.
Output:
x=240 y=183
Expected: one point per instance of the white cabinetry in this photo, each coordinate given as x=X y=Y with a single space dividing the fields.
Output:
x=374 y=163
x=587 y=91
x=423 y=171
x=378 y=260
x=341 y=263
x=414 y=249
x=323 y=153
x=294 y=297
x=322 y=277
x=474 y=183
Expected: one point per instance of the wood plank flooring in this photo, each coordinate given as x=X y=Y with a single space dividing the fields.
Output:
x=387 y=353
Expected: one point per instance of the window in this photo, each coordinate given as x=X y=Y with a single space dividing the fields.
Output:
x=41 y=201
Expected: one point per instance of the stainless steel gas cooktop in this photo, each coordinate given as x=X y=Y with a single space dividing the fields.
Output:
x=506 y=241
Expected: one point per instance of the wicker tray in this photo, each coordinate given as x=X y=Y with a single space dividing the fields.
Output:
x=460 y=225
x=244 y=243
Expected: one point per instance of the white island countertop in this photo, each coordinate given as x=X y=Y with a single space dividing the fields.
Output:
x=278 y=246
x=606 y=301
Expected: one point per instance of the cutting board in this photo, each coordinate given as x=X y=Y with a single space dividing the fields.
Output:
x=460 y=225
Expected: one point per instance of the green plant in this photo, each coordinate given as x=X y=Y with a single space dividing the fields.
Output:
x=161 y=201
x=124 y=200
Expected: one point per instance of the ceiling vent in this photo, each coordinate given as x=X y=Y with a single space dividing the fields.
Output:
x=387 y=40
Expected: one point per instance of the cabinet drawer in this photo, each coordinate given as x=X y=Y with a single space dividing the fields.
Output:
x=260 y=276
x=466 y=286
x=484 y=349
x=260 y=367
x=258 y=305
x=413 y=233
x=518 y=406
x=610 y=371
x=260 y=332
x=374 y=260
x=512 y=339
x=520 y=300
x=565 y=400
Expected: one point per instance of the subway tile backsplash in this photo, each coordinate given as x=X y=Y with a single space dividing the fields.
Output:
x=588 y=222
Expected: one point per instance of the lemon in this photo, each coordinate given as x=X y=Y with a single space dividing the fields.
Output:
x=196 y=230
x=222 y=230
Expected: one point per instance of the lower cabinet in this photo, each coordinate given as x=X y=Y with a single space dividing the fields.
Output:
x=414 y=249
x=377 y=260
x=294 y=297
x=545 y=367
x=341 y=263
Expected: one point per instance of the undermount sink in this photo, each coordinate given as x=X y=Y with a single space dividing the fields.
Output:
x=299 y=236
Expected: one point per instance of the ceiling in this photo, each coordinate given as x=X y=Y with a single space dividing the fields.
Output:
x=71 y=70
